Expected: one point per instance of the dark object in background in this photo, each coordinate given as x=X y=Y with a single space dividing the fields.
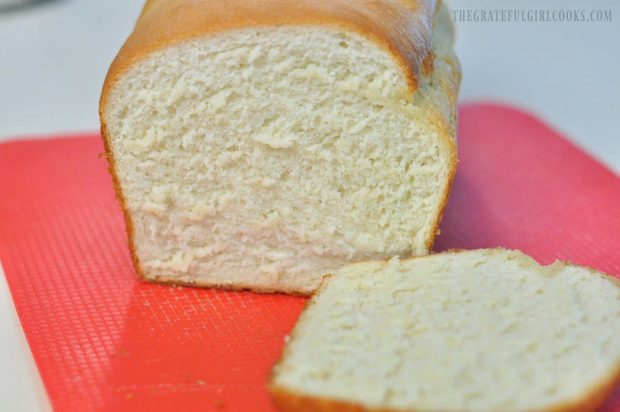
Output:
x=13 y=5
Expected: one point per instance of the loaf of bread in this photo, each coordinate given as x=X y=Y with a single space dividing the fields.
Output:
x=475 y=331
x=259 y=144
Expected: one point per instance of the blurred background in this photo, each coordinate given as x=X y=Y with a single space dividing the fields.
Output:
x=54 y=56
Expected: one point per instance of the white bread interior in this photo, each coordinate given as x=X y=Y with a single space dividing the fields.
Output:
x=484 y=330
x=264 y=157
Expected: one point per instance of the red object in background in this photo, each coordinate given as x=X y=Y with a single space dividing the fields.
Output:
x=105 y=341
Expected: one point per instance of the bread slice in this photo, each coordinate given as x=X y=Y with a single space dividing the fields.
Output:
x=482 y=330
x=260 y=144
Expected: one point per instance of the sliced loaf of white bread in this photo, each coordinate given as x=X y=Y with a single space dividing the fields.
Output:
x=259 y=144
x=475 y=331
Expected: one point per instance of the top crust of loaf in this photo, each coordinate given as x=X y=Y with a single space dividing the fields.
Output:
x=402 y=26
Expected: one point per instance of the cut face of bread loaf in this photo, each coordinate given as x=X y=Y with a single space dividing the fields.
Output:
x=261 y=144
x=483 y=331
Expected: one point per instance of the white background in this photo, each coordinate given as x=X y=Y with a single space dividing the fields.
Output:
x=53 y=59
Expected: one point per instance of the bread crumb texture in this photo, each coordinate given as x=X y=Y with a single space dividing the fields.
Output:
x=267 y=156
x=486 y=330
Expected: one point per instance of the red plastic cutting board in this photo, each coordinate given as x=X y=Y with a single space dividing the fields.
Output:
x=105 y=341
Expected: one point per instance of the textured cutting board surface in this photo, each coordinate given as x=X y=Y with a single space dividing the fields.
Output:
x=103 y=340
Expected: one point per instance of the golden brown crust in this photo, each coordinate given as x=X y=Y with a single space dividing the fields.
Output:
x=287 y=400
x=290 y=401
x=121 y=199
x=430 y=242
x=237 y=287
x=438 y=97
x=404 y=27
x=592 y=398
